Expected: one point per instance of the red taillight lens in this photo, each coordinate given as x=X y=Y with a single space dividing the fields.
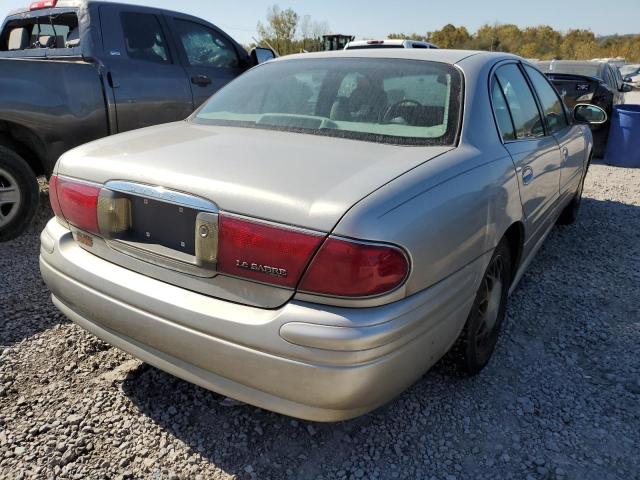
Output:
x=53 y=196
x=264 y=252
x=77 y=202
x=344 y=268
x=42 y=4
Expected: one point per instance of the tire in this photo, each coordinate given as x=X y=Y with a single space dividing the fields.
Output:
x=19 y=195
x=473 y=349
x=570 y=213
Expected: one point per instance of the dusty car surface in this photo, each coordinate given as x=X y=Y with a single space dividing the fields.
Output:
x=324 y=229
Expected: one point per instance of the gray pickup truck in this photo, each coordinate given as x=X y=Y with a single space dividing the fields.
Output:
x=72 y=71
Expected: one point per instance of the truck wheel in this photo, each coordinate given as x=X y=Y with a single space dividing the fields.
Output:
x=478 y=339
x=19 y=195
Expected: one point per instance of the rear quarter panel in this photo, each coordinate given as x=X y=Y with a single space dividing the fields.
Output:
x=446 y=213
x=451 y=211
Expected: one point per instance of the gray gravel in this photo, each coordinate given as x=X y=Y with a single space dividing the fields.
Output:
x=560 y=399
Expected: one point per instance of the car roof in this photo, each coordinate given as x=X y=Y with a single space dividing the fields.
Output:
x=434 y=55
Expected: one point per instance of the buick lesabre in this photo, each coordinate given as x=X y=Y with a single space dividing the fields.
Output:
x=325 y=228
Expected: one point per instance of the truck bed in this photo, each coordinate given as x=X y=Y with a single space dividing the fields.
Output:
x=64 y=98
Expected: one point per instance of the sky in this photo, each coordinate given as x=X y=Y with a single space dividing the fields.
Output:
x=377 y=18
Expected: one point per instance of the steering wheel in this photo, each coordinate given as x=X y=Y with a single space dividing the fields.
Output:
x=392 y=110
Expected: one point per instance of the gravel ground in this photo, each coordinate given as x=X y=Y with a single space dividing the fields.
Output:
x=560 y=399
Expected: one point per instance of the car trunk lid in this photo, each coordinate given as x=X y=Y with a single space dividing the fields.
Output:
x=287 y=181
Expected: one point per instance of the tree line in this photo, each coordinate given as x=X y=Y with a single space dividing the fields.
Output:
x=542 y=42
x=287 y=32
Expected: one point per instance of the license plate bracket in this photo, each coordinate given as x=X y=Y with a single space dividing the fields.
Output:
x=160 y=223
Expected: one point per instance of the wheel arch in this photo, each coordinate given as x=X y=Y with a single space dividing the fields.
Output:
x=514 y=235
x=24 y=142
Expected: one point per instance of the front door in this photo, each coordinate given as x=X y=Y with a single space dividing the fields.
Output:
x=535 y=154
x=149 y=84
x=209 y=57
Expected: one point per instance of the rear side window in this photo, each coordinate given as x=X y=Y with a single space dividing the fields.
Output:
x=144 y=38
x=205 y=47
x=554 y=116
x=503 y=117
x=521 y=102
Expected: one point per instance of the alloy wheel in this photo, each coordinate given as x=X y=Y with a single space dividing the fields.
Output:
x=489 y=304
x=10 y=197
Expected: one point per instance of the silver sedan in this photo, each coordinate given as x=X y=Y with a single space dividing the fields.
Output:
x=325 y=228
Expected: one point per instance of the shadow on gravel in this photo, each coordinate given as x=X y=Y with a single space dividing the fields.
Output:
x=25 y=303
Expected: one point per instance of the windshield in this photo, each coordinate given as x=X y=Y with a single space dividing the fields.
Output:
x=394 y=101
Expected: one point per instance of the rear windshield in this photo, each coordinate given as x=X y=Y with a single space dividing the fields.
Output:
x=58 y=31
x=395 y=101
x=572 y=69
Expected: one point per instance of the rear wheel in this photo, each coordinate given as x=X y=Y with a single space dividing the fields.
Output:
x=478 y=339
x=19 y=194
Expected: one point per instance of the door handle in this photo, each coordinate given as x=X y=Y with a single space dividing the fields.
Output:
x=527 y=175
x=565 y=153
x=201 y=80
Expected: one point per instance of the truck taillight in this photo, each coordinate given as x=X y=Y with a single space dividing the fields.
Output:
x=264 y=252
x=349 y=268
x=42 y=4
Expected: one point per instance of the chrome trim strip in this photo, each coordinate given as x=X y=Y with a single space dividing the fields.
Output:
x=153 y=256
x=163 y=194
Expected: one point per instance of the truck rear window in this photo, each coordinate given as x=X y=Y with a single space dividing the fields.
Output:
x=58 y=31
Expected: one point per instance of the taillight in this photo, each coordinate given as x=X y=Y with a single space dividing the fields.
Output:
x=77 y=202
x=345 y=268
x=53 y=196
x=42 y=4
x=264 y=252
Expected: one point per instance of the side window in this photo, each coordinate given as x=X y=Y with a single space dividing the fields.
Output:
x=554 y=116
x=503 y=117
x=144 y=38
x=206 y=47
x=523 y=107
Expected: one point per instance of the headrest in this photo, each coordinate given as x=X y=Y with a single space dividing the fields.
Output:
x=73 y=38
x=18 y=39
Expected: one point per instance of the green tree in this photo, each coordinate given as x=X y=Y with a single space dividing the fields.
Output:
x=450 y=36
x=280 y=29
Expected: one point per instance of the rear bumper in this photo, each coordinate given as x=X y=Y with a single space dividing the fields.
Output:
x=335 y=363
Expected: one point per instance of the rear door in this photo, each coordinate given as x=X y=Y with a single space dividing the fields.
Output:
x=535 y=153
x=149 y=84
x=569 y=137
x=210 y=58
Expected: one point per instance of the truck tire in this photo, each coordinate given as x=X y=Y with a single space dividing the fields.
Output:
x=19 y=194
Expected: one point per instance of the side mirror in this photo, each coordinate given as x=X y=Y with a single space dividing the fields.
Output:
x=260 y=55
x=626 y=88
x=627 y=80
x=590 y=114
